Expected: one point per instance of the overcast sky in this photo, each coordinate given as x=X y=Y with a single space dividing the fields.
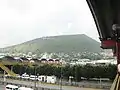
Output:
x=24 y=20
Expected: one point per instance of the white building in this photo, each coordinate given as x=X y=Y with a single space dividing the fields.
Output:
x=51 y=79
x=105 y=62
x=95 y=62
x=48 y=79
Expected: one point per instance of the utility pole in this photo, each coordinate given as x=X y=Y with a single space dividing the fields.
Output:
x=11 y=68
x=75 y=73
x=35 y=77
x=4 y=78
x=61 y=77
x=61 y=80
x=100 y=83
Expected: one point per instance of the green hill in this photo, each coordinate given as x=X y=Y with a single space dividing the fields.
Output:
x=63 y=43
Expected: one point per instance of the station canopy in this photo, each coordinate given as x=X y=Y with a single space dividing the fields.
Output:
x=106 y=14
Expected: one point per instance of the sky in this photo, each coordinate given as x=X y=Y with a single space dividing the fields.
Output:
x=24 y=20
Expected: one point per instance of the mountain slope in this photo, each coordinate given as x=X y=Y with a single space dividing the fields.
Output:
x=64 y=43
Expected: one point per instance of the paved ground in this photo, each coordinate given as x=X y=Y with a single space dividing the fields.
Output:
x=69 y=88
x=2 y=87
x=51 y=87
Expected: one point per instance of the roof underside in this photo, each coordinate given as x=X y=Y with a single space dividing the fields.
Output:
x=106 y=13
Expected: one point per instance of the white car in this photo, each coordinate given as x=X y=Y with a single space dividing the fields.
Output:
x=33 y=77
x=25 y=88
x=25 y=76
x=42 y=78
x=11 y=87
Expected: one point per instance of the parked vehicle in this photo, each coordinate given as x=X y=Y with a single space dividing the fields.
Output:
x=42 y=78
x=11 y=87
x=14 y=87
x=25 y=88
x=33 y=77
x=25 y=76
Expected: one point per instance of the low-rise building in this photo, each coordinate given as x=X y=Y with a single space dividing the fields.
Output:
x=95 y=62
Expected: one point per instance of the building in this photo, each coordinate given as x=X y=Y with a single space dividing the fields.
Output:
x=95 y=62
x=48 y=79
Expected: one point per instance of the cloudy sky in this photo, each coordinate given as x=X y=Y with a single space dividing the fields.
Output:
x=24 y=20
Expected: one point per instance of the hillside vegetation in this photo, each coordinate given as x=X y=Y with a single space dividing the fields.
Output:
x=64 y=43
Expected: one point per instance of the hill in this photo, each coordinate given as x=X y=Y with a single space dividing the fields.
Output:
x=63 y=43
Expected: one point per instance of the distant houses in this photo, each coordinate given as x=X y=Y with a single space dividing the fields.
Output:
x=42 y=60
x=62 y=58
x=58 y=61
x=31 y=60
x=50 y=61
x=94 y=62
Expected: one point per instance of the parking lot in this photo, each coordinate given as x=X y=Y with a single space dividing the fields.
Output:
x=2 y=87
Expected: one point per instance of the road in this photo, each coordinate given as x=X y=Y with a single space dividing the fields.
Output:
x=73 y=88
x=2 y=87
x=50 y=86
x=68 y=88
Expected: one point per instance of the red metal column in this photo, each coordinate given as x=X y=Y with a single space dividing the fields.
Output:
x=118 y=52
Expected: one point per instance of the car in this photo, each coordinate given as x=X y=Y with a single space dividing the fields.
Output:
x=24 y=88
x=33 y=77
x=25 y=76
x=11 y=87
x=42 y=78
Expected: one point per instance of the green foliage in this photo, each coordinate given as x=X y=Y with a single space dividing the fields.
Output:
x=86 y=71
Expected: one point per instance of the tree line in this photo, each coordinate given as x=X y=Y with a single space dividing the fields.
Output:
x=77 y=71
